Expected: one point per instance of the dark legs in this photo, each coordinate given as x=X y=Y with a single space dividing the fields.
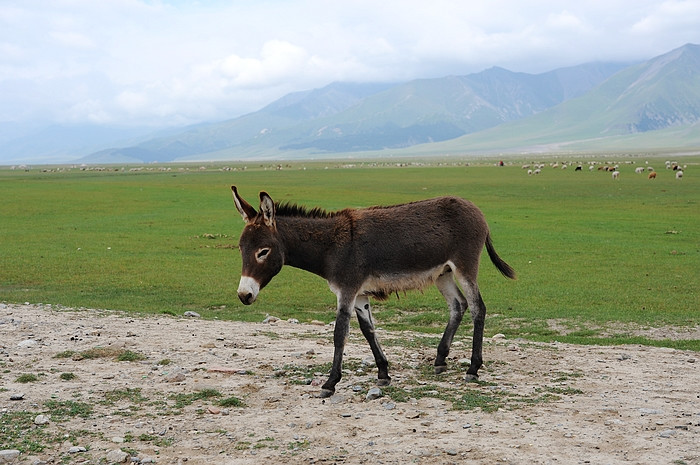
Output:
x=340 y=335
x=458 y=305
x=478 y=311
x=364 y=316
x=342 y=327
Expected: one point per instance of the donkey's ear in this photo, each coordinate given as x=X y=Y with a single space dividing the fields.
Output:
x=246 y=210
x=267 y=208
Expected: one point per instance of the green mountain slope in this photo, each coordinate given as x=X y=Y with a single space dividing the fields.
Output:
x=660 y=97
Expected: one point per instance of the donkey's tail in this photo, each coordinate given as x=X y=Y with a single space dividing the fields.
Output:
x=502 y=266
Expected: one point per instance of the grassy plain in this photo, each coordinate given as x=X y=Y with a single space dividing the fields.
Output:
x=596 y=257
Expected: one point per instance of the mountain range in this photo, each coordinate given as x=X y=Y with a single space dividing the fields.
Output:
x=594 y=106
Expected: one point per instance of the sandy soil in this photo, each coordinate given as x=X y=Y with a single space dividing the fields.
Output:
x=557 y=403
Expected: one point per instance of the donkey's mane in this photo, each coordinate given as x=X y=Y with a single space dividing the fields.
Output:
x=292 y=209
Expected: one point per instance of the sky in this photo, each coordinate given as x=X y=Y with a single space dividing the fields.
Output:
x=168 y=63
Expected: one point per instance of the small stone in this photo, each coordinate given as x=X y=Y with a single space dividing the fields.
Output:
x=117 y=456
x=389 y=406
x=451 y=452
x=498 y=336
x=270 y=319
x=17 y=396
x=466 y=426
x=374 y=393
x=41 y=420
x=191 y=314
x=8 y=455
x=293 y=321
x=513 y=348
x=691 y=360
x=76 y=449
x=117 y=440
x=667 y=433
x=175 y=378
x=222 y=369
x=214 y=410
x=650 y=411
x=317 y=323
x=28 y=344
x=336 y=399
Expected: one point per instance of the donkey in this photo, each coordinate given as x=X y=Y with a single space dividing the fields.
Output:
x=373 y=252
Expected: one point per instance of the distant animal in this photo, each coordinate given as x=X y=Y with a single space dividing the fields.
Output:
x=679 y=174
x=652 y=175
x=537 y=171
x=578 y=168
x=639 y=169
x=616 y=175
x=373 y=252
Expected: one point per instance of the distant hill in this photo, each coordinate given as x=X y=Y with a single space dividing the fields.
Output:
x=595 y=106
x=344 y=117
x=653 y=104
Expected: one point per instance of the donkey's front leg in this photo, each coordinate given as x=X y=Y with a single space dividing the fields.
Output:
x=340 y=335
x=364 y=317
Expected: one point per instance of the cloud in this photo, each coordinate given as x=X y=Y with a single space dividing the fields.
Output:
x=277 y=60
x=174 y=62
x=73 y=40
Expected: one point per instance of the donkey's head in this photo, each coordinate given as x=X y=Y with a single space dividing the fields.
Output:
x=260 y=246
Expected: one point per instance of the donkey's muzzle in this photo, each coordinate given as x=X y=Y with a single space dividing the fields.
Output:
x=248 y=290
x=246 y=298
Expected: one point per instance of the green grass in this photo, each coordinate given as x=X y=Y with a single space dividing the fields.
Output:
x=588 y=251
x=27 y=378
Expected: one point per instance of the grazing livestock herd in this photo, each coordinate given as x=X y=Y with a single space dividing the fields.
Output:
x=612 y=167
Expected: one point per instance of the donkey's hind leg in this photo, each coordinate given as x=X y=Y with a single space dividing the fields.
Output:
x=458 y=304
x=478 y=312
x=364 y=316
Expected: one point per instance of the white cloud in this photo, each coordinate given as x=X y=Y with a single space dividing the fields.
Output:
x=73 y=40
x=167 y=62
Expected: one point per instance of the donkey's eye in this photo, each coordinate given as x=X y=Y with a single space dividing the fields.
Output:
x=262 y=254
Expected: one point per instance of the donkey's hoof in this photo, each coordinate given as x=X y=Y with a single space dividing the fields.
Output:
x=383 y=381
x=471 y=378
x=326 y=393
x=440 y=369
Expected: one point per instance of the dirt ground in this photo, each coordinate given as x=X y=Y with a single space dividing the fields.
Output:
x=543 y=403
